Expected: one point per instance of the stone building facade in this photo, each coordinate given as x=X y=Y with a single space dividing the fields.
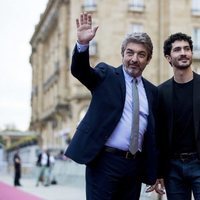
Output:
x=58 y=100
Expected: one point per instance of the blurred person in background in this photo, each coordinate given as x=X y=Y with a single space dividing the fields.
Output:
x=17 y=168
x=52 y=178
x=43 y=163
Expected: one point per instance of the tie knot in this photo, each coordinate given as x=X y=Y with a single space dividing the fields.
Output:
x=135 y=81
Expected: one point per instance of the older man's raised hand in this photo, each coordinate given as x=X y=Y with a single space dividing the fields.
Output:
x=85 y=31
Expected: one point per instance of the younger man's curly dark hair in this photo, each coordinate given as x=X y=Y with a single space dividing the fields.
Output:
x=174 y=37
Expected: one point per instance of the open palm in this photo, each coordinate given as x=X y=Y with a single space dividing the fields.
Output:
x=85 y=31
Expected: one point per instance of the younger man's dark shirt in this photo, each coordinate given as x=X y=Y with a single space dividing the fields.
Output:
x=183 y=139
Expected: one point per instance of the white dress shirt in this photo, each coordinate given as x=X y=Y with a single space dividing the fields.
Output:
x=120 y=138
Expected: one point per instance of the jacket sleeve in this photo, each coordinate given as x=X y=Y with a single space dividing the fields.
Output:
x=81 y=69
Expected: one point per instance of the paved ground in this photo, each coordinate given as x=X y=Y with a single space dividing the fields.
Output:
x=70 y=186
x=53 y=192
x=71 y=191
x=71 y=183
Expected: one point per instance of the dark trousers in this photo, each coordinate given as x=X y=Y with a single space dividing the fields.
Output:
x=17 y=176
x=183 y=178
x=112 y=177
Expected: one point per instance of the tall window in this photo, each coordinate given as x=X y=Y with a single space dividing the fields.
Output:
x=89 y=5
x=89 y=2
x=196 y=38
x=136 y=27
x=196 y=42
x=136 y=5
x=196 y=7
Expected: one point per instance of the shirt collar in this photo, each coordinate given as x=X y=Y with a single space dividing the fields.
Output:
x=130 y=78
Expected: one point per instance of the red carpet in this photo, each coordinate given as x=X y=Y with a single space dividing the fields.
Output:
x=8 y=192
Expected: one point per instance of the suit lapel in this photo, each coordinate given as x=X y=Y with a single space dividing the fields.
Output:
x=169 y=103
x=120 y=76
x=148 y=93
x=196 y=104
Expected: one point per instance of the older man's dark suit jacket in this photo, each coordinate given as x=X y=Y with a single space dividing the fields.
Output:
x=107 y=86
x=165 y=121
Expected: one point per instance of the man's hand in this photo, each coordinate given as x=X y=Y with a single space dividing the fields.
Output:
x=85 y=31
x=150 y=188
x=160 y=186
